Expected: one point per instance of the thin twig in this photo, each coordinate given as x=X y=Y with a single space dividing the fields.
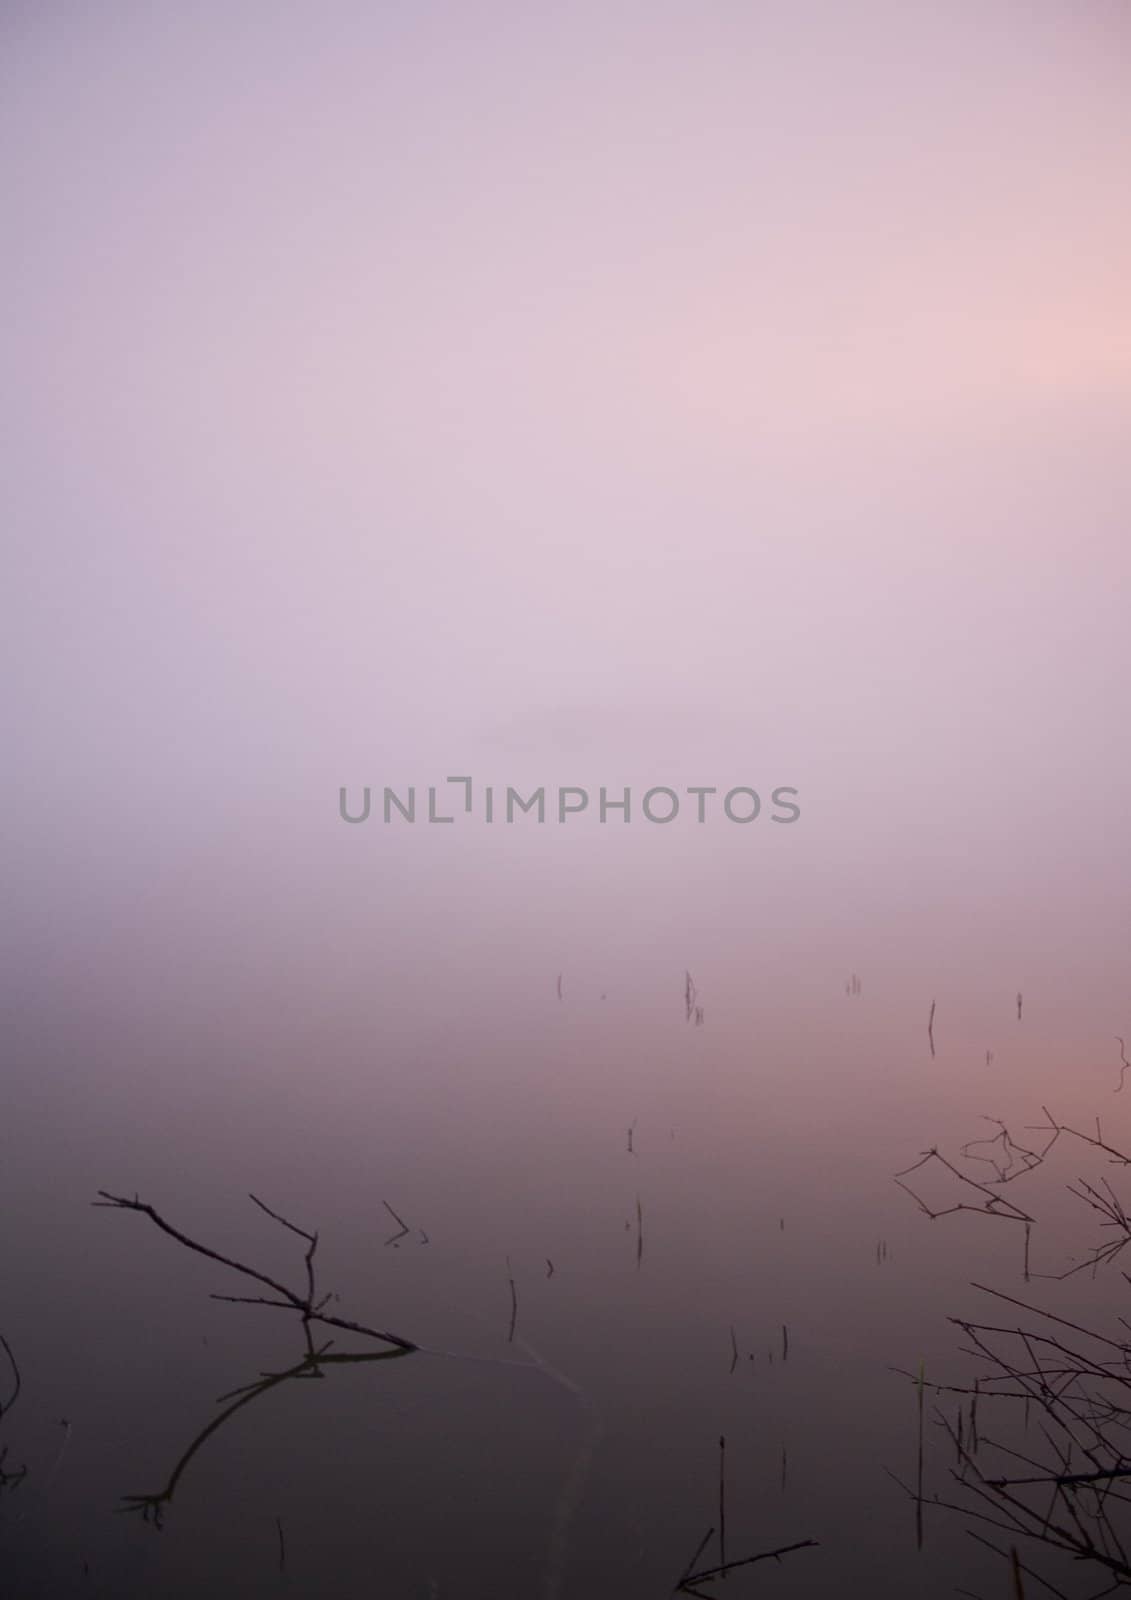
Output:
x=514 y=1303
x=748 y=1561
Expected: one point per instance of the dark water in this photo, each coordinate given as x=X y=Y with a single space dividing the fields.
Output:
x=701 y=1191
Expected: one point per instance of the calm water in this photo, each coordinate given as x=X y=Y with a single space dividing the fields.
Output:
x=577 y=1453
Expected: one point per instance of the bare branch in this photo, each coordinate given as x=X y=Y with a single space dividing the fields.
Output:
x=290 y=1300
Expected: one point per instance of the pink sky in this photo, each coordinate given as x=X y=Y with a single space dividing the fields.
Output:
x=621 y=394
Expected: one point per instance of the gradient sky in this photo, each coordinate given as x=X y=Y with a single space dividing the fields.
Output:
x=601 y=394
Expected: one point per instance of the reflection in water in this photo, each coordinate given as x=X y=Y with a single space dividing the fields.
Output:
x=316 y=1360
x=307 y=1303
x=1029 y=1448
x=557 y=1433
x=1071 y=1380
x=10 y=1477
x=1041 y=1439
x=312 y=1365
